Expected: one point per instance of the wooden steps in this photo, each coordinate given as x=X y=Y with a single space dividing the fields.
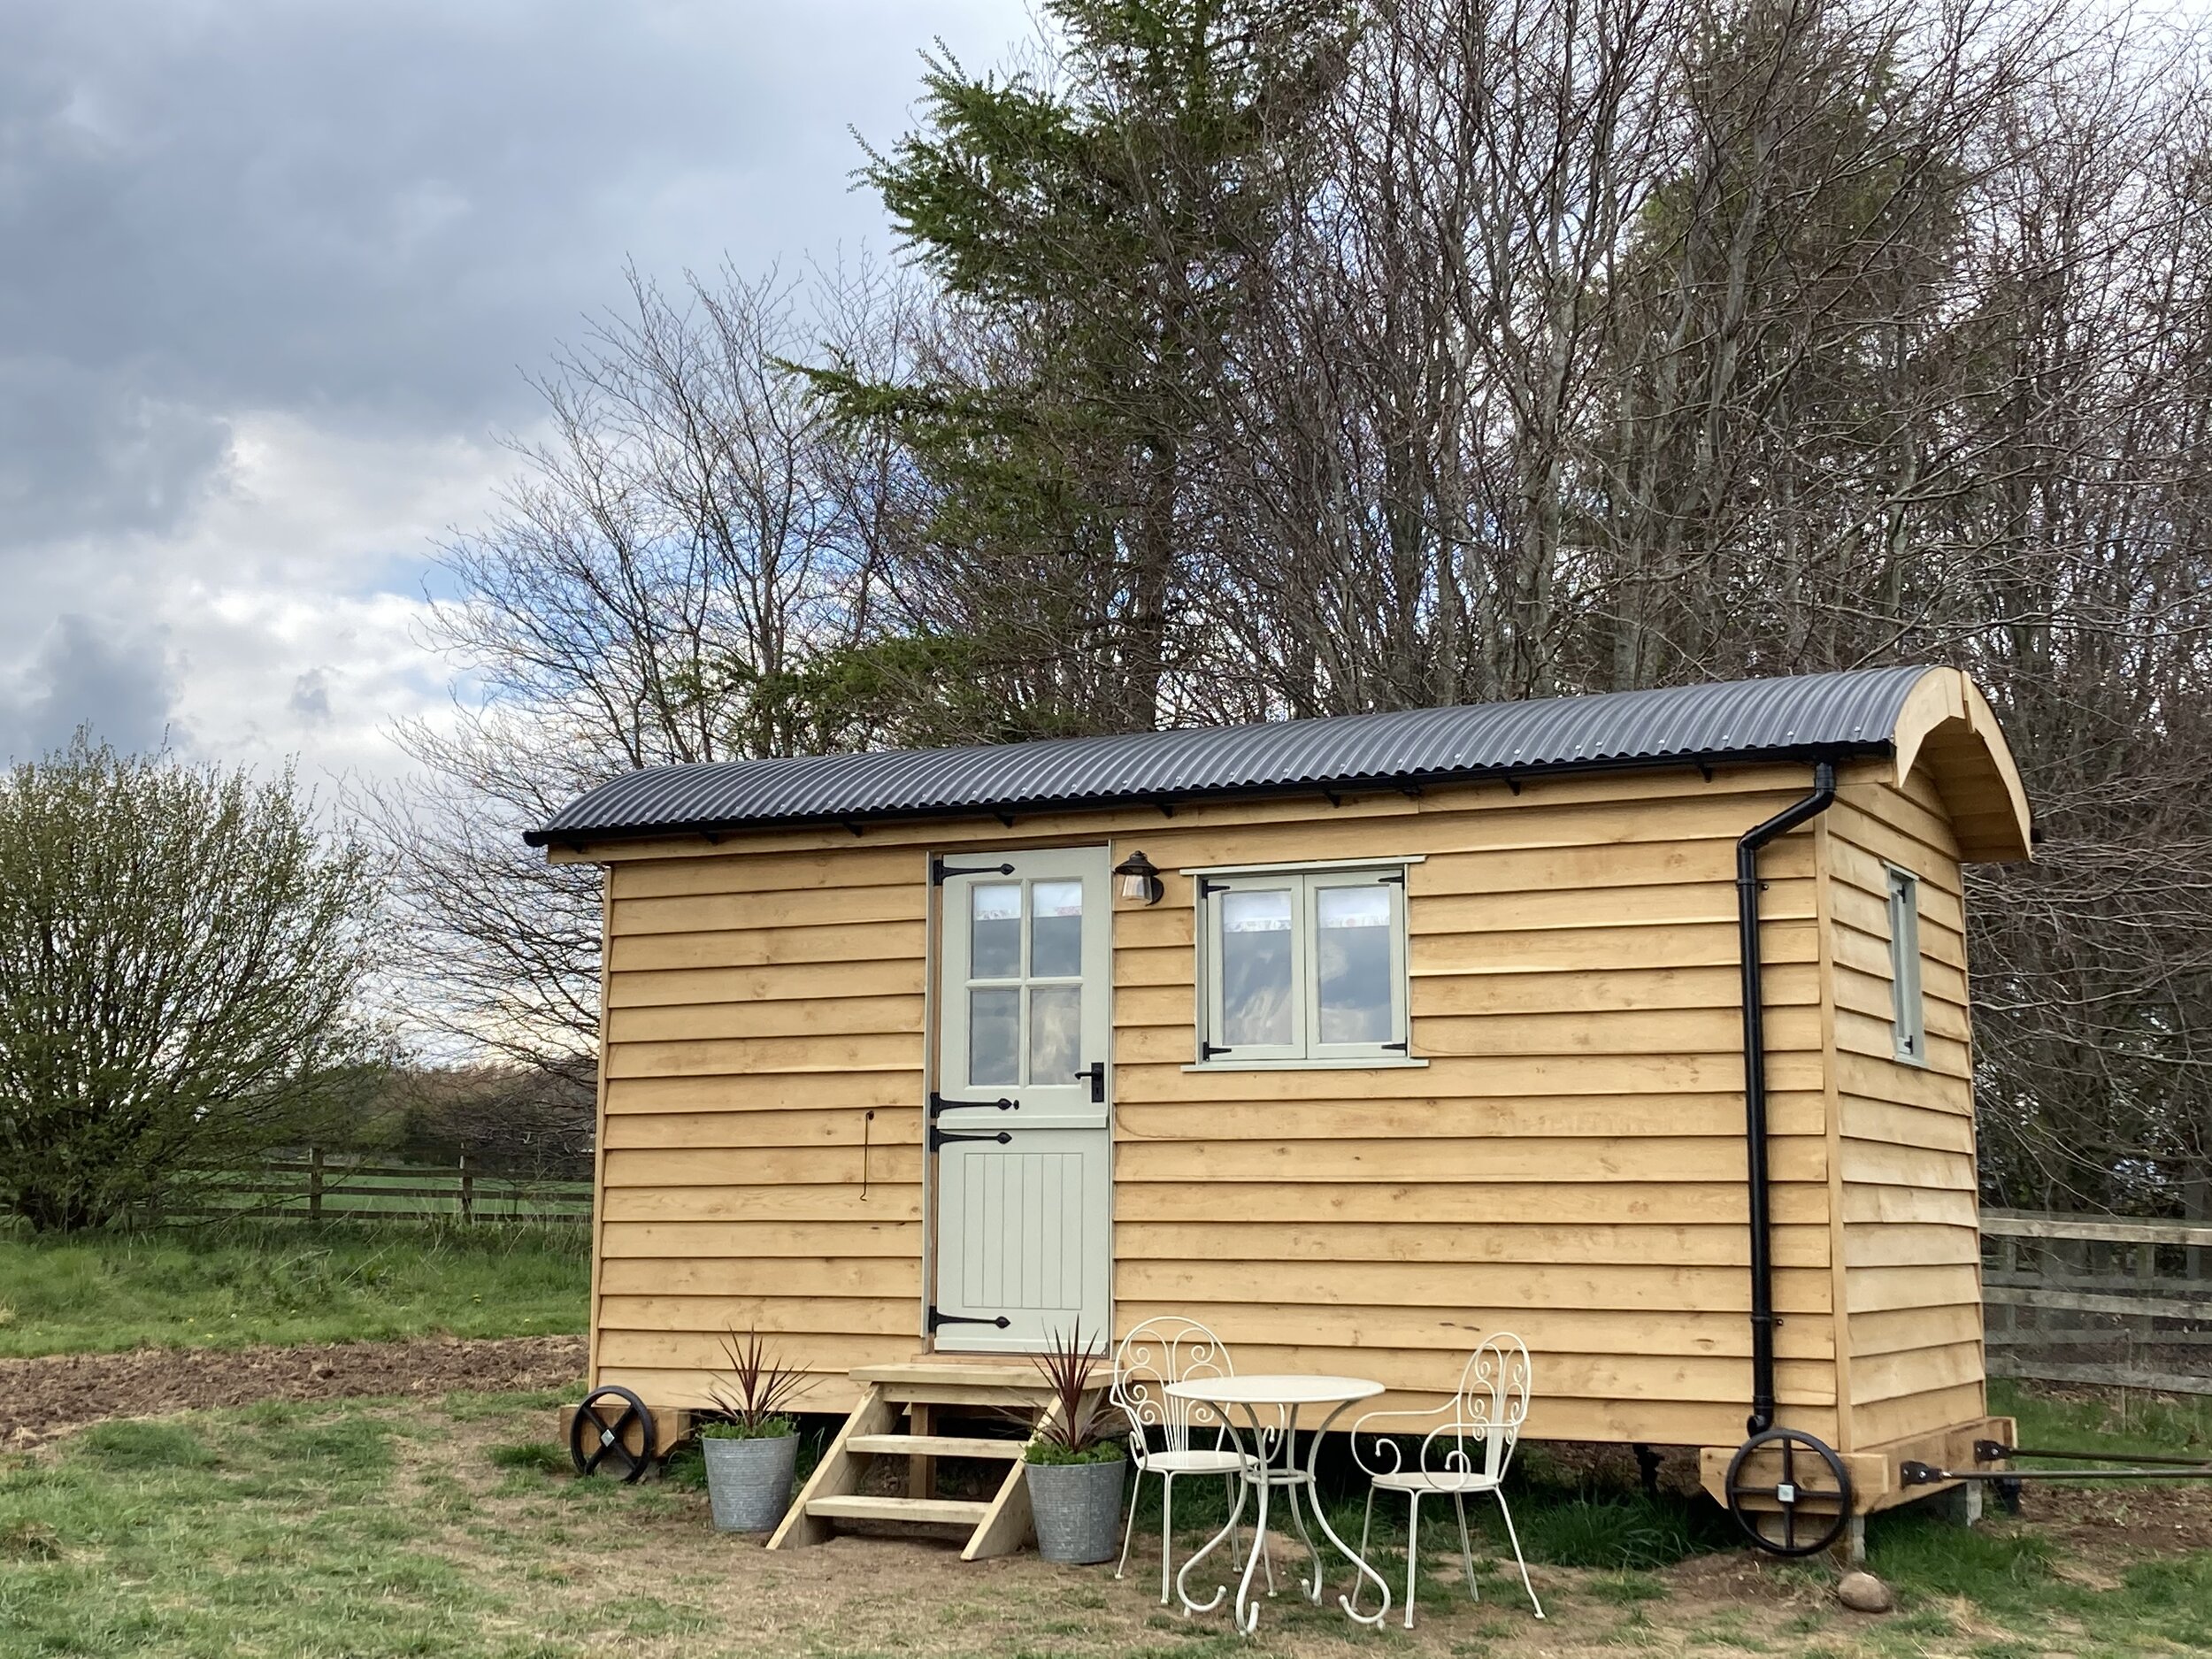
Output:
x=923 y=1511
x=935 y=1446
x=915 y=1391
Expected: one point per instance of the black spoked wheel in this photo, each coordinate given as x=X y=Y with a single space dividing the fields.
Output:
x=1789 y=1492
x=601 y=1432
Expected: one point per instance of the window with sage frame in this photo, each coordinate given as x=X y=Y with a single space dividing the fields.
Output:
x=1303 y=967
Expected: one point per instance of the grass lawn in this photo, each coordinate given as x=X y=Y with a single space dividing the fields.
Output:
x=373 y=1529
x=237 y=1283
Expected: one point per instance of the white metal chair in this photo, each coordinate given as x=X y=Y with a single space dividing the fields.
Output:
x=1464 y=1455
x=1155 y=1354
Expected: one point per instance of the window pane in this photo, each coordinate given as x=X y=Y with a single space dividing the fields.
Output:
x=994 y=1020
x=1354 y=961
x=1055 y=1033
x=994 y=938
x=1055 y=930
x=1256 y=946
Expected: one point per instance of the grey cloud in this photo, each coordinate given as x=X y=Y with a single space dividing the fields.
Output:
x=311 y=697
x=86 y=676
x=376 y=213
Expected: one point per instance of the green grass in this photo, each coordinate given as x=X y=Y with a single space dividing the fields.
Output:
x=240 y=1283
x=2015 y=1577
x=2116 y=1423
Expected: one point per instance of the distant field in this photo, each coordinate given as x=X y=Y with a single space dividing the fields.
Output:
x=230 y=1284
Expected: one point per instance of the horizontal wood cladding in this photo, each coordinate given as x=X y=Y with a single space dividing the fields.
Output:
x=1641 y=1158
x=1891 y=1289
x=1523 y=1243
x=1472 y=1203
x=764 y=947
x=1497 y=1077
x=778 y=1203
x=1640 y=1289
x=1567 y=1164
x=1914 y=1414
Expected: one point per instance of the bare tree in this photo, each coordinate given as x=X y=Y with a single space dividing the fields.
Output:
x=686 y=544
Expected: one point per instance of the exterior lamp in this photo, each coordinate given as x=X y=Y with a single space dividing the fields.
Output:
x=1140 y=879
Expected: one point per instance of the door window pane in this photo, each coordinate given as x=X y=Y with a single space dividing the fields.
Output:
x=994 y=1037
x=1256 y=968
x=1055 y=930
x=994 y=936
x=1055 y=1033
x=1353 y=961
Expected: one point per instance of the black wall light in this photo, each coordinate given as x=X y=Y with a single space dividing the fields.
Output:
x=1140 y=879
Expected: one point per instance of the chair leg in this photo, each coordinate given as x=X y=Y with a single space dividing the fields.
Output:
x=1167 y=1529
x=1236 y=1555
x=1466 y=1547
x=1413 y=1549
x=1136 y=1491
x=1506 y=1511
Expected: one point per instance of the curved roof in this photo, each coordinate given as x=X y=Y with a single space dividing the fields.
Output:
x=1866 y=712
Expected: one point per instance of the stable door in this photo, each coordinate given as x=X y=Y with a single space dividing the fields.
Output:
x=1019 y=1111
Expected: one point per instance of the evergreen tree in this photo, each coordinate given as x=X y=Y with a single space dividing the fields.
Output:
x=1094 y=231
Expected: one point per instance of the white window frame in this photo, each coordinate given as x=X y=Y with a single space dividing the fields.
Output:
x=1304 y=882
x=1908 y=1004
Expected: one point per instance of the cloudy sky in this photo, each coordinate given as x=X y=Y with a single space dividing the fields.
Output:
x=271 y=274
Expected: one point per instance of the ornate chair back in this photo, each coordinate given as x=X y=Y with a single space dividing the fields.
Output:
x=1487 y=1414
x=1155 y=1354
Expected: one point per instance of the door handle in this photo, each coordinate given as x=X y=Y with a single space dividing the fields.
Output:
x=1096 y=1072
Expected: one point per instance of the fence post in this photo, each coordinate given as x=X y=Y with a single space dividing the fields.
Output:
x=468 y=1190
x=314 y=1183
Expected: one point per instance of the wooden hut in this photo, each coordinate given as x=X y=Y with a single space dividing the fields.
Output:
x=1430 y=1024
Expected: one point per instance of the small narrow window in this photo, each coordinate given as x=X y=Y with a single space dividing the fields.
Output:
x=1303 y=967
x=1909 y=1018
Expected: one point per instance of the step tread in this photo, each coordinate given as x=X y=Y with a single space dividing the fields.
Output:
x=937 y=1512
x=960 y=1374
x=936 y=1446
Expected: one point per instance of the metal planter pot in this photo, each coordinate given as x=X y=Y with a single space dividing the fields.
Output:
x=748 y=1482
x=1077 y=1510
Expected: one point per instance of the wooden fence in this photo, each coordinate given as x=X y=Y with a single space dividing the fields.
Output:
x=315 y=1186
x=2098 y=1299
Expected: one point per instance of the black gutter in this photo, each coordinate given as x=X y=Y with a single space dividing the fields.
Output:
x=1754 y=1082
x=1395 y=783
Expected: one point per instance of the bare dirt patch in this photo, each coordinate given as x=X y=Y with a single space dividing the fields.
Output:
x=2124 y=1521
x=41 y=1398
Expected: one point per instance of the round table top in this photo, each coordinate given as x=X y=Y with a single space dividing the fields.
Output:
x=1261 y=1389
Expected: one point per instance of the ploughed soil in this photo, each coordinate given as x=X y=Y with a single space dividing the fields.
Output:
x=41 y=1398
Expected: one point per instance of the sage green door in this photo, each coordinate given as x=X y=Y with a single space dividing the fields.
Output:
x=1024 y=1090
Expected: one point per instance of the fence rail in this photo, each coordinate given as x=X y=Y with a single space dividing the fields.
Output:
x=324 y=1187
x=2098 y=1299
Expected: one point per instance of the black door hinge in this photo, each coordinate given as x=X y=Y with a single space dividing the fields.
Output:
x=939 y=870
x=937 y=1319
x=939 y=1103
x=1207 y=1050
x=938 y=1137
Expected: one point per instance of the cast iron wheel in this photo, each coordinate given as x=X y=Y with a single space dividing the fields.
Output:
x=1813 y=1495
x=608 y=1434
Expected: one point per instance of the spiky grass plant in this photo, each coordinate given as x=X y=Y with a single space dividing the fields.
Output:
x=756 y=1397
x=1075 y=1430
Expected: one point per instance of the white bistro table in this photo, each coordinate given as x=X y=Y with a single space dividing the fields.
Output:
x=1269 y=1408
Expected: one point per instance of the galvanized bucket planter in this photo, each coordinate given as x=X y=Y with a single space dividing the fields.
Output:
x=1077 y=1510
x=748 y=1481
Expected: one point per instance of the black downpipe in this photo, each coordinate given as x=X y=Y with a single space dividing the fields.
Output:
x=1754 y=1083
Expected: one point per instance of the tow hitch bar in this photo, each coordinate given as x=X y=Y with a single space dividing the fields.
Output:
x=2008 y=1481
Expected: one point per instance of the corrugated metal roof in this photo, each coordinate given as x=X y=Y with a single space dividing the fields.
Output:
x=1796 y=717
